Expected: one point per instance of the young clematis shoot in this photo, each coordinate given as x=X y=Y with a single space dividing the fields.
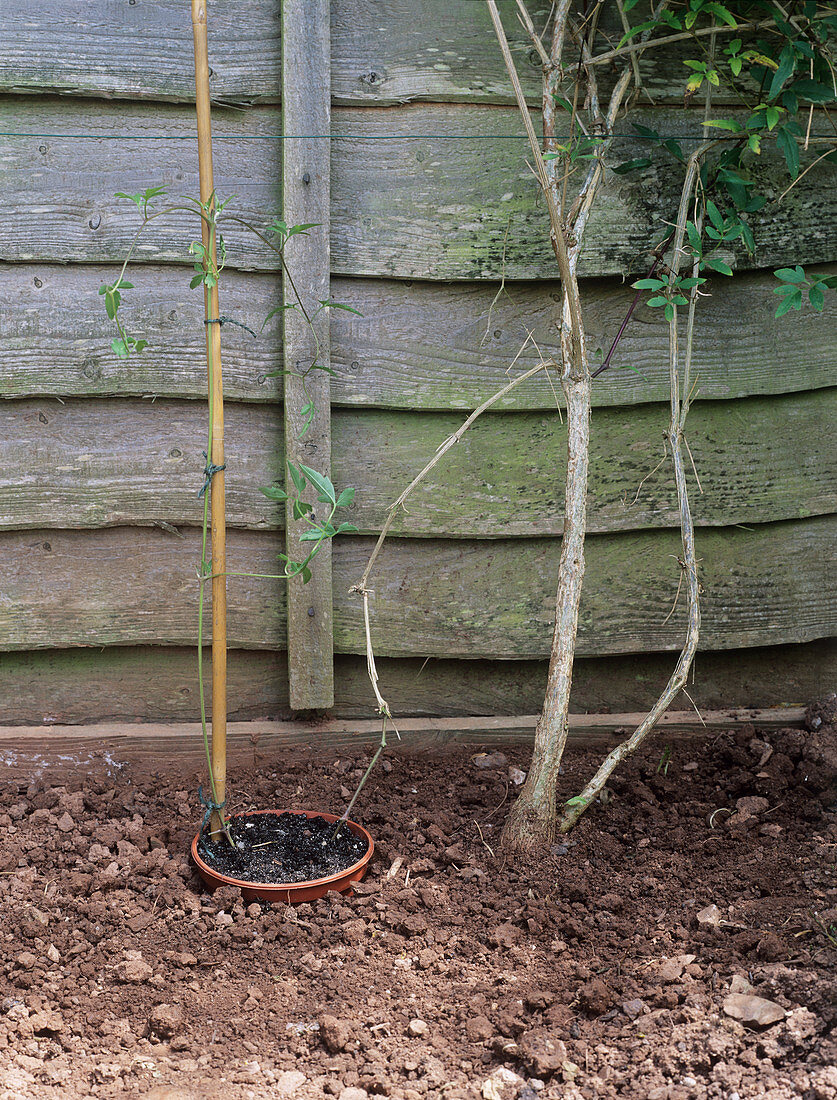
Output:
x=208 y=260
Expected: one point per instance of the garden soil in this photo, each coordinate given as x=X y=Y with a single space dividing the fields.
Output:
x=681 y=943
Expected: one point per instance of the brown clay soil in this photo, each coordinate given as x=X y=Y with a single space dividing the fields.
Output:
x=598 y=971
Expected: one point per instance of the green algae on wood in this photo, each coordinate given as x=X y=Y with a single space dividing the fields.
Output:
x=429 y=191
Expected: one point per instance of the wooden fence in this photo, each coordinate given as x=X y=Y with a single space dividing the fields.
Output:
x=416 y=171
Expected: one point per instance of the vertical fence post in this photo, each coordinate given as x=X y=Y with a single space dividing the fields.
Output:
x=306 y=120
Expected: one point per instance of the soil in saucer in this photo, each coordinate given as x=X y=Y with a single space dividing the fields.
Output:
x=283 y=847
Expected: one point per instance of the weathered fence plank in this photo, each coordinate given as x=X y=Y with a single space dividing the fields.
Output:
x=68 y=465
x=405 y=50
x=112 y=461
x=139 y=585
x=136 y=683
x=141 y=51
x=457 y=199
x=86 y=152
x=382 y=53
x=306 y=347
x=416 y=346
x=154 y=683
x=496 y=599
x=438 y=346
x=762 y=586
x=506 y=476
x=415 y=191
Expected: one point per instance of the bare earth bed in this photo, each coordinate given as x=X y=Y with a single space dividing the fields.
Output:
x=601 y=972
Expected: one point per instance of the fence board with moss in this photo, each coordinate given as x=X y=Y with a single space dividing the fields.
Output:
x=432 y=204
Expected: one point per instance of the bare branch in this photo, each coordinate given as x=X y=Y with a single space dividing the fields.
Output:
x=526 y=19
x=634 y=59
x=659 y=252
x=560 y=18
x=592 y=82
x=559 y=242
x=576 y=807
x=813 y=164
x=361 y=588
x=652 y=43
x=441 y=451
x=584 y=201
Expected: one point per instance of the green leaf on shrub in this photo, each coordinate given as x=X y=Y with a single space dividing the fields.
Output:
x=719 y=265
x=790 y=150
x=793 y=300
x=812 y=91
x=816 y=297
x=790 y=274
x=327 y=303
x=630 y=166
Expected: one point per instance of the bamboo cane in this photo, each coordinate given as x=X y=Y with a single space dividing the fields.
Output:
x=216 y=455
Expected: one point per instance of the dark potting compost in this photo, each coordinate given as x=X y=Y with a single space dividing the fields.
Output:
x=283 y=847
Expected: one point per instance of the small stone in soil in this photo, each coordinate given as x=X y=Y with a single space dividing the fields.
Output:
x=489 y=760
x=165 y=1020
x=594 y=997
x=479 y=1029
x=634 y=1008
x=711 y=915
x=334 y=1033
x=288 y=1083
x=279 y=848
x=753 y=1010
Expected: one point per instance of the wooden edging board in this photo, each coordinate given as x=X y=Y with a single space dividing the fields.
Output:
x=28 y=751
